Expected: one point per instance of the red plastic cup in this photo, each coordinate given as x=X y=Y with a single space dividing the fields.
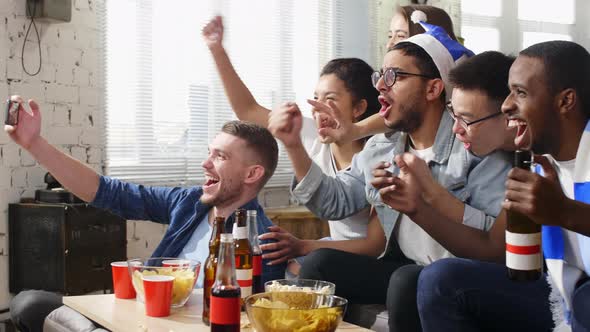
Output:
x=122 y=281
x=157 y=294
x=182 y=263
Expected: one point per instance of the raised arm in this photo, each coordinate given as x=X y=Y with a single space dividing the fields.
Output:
x=78 y=178
x=346 y=130
x=241 y=99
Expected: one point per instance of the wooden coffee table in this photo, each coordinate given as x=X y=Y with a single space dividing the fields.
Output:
x=129 y=315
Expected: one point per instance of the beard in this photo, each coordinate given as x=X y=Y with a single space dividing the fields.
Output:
x=409 y=121
x=227 y=193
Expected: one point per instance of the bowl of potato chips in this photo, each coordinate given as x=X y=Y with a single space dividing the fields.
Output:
x=184 y=271
x=295 y=311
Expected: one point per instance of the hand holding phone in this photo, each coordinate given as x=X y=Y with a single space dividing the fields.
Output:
x=12 y=109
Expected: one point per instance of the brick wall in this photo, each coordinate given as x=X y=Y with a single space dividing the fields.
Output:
x=67 y=90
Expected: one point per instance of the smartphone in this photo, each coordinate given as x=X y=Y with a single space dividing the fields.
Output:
x=12 y=108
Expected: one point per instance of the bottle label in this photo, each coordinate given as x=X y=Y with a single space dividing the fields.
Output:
x=523 y=251
x=240 y=233
x=225 y=310
x=244 y=278
x=257 y=265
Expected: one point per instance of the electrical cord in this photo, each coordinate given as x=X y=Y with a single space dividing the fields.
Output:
x=32 y=23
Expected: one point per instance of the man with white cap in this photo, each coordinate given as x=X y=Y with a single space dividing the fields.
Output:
x=412 y=86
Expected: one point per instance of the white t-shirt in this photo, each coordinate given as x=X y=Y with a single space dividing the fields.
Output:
x=353 y=227
x=197 y=247
x=414 y=242
x=573 y=262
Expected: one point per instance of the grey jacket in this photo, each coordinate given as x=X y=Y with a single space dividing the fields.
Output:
x=478 y=182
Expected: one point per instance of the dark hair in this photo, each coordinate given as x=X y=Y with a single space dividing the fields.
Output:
x=356 y=75
x=434 y=15
x=422 y=59
x=566 y=65
x=258 y=139
x=487 y=72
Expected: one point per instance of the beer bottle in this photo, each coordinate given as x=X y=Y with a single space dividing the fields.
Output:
x=225 y=295
x=211 y=264
x=523 y=237
x=243 y=253
x=257 y=284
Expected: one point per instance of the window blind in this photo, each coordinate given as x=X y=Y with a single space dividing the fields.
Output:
x=164 y=101
x=510 y=26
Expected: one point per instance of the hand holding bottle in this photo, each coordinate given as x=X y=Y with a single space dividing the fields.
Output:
x=538 y=197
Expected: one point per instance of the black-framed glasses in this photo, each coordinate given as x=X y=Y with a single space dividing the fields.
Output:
x=390 y=76
x=465 y=124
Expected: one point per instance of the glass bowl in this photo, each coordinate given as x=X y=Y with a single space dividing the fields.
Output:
x=184 y=271
x=300 y=285
x=295 y=311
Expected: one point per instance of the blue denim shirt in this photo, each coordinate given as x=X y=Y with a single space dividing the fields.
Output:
x=478 y=182
x=179 y=208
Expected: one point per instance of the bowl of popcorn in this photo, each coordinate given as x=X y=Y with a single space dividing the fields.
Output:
x=297 y=311
x=300 y=285
x=184 y=271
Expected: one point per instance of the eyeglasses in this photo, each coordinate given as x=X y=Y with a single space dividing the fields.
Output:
x=466 y=124
x=390 y=76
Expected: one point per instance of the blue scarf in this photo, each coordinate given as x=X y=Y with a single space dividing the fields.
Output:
x=553 y=236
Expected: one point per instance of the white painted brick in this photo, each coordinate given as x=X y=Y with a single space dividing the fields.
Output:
x=88 y=96
x=11 y=155
x=64 y=56
x=50 y=35
x=81 y=77
x=81 y=4
x=28 y=193
x=67 y=37
x=3 y=90
x=78 y=113
x=90 y=59
x=5 y=178
x=94 y=81
x=48 y=73
x=97 y=168
x=26 y=159
x=2 y=69
x=94 y=155
x=4 y=212
x=4 y=138
x=16 y=27
x=64 y=75
x=64 y=135
x=26 y=90
x=14 y=195
x=143 y=237
x=57 y=93
x=79 y=153
x=36 y=176
x=90 y=136
x=14 y=70
x=19 y=177
x=61 y=115
x=5 y=296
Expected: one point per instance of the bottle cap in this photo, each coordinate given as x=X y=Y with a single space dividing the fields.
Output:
x=251 y=213
x=227 y=238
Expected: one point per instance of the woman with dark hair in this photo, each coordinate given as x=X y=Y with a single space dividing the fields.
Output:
x=344 y=84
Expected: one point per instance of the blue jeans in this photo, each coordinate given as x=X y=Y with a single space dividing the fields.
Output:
x=581 y=307
x=466 y=295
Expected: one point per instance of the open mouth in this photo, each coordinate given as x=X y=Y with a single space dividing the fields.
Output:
x=521 y=139
x=385 y=107
x=210 y=181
